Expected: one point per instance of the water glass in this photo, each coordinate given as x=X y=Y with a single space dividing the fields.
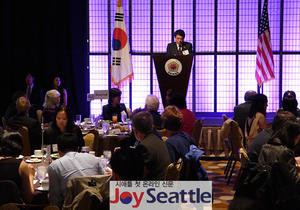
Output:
x=92 y=118
x=124 y=118
x=85 y=149
x=130 y=126
x=78 y=119
x=107 y=154
x=105 y=127
x=41 y=172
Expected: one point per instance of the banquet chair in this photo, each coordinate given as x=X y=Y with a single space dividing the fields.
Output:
x=92 y=141
x=87 y=192
x=197 y=131
x=162 y=132
x=89 y=140
x=173 y=171
x=232 y=130
x=26 y=142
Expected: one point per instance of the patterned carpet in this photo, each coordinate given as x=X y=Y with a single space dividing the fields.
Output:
x=222 y=192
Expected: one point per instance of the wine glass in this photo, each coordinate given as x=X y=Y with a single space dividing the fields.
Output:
x=78 y=119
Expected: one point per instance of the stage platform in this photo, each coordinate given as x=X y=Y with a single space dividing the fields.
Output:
x=215 y=118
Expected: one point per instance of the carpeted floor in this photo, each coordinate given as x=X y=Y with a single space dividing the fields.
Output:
x=222 y=192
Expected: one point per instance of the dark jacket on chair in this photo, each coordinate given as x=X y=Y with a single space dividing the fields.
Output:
x=178 y=145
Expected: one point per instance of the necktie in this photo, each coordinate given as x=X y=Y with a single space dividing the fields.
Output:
x=179 y=51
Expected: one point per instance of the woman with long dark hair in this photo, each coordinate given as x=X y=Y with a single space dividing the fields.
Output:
x=56 y=84
x=256 y=121
x=63 y=123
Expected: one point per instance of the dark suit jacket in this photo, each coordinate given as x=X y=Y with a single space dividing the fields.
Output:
x=108 y=111
x=34 y=129
x=156 y=157
x=241 y=113
x=36 y=97
x=172 y=48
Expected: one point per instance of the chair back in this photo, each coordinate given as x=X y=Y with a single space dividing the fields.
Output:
x=197 y=131
x=92 y=141
x=87 y=192
x=89 y=140
x=9 y=192
x=235 y=138
x=173 y=171
x=162 y=132
x=26 y=141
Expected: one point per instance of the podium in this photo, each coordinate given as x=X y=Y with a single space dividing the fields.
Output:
x=173 y=72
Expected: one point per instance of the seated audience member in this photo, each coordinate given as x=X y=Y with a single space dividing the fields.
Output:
x=290 y=103
x=153 y=150
x=114 y=107
x=127 y=164
x=56 y=85
x=14 y=169
x=178 y=142
x=11 y=109
x=189 y=118
x=22 y=119
x=71 y=164
x=152 y=105
x=278 y=154
x=241 y=111
x=52 y=101
x=264 y=136
x=63 y=123
x=256 y=121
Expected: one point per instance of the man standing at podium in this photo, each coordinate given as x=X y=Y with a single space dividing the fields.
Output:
x=179 y=47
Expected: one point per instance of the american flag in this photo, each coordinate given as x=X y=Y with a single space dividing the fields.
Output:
x=264 y=56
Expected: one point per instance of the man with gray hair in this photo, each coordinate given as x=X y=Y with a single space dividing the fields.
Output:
x=154 y=151
x=241 y=111
x=22 y=119
x=151 y=105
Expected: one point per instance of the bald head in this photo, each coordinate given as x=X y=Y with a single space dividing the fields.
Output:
x=22 y=105
x=249 y=94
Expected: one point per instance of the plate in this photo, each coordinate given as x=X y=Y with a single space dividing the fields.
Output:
x=20 y=157
x=111 y=135
x=42 y=188
x=36 y=156
x=55 y=155
x=33 y=160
